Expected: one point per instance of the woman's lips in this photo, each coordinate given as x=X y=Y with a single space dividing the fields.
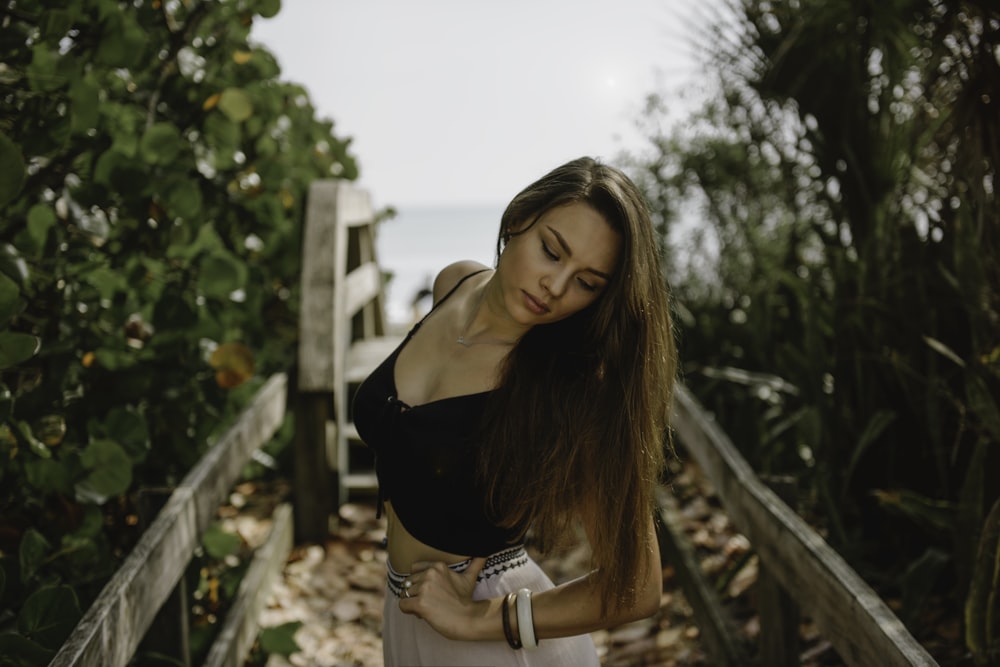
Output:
x=535 y=305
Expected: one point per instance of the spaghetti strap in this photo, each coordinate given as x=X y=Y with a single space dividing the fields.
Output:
x=457 y=285
x=442 y=300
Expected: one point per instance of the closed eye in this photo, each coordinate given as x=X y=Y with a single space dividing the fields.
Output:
x=587 y=286
x=548 y=252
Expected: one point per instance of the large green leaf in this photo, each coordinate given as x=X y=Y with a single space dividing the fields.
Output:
x=182 y=198
x=161 y=144
x=49 y=476
x=109 y=472
x=84 y=95
x=127 y=427
x=16 y=348
x=123 y=41
x=13 y=173
x=121 y=173
x=41 y=218
x=9 y=299
x=49 y=615
x=268 y=8
x=236 y=104
x=220 y=274
x=23 y=652
x=220 y=543
x=280 y=639
x=32 y=552
x=106 y=280
x=44 y=73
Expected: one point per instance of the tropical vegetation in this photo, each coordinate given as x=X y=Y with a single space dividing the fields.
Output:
x=834 y=235
x=153 y=167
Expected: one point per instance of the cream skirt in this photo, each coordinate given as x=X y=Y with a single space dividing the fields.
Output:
x=408 y=641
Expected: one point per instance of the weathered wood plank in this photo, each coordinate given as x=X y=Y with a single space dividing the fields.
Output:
x=232 y=645
x=849 y=613
x=111 y=629
x=316 y=312
x=718 y=635
x=363 y=284
x=217 y=471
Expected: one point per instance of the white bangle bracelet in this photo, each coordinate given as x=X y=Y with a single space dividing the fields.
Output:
x=525 y=624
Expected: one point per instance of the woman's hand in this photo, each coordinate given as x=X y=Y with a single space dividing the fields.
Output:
x=443 y=597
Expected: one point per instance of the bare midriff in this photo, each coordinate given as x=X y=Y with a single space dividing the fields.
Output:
x=404 y=549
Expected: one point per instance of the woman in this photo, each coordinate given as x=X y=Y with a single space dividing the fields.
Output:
x=532 y=396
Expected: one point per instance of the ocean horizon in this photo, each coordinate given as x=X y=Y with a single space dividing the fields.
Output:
x=421 y=240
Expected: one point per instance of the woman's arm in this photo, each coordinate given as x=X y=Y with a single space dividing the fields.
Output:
x=444 y=599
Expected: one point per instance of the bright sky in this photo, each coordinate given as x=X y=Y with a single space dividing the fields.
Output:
x=467 y=101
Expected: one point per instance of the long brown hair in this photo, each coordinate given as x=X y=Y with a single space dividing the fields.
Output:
x=580 y=420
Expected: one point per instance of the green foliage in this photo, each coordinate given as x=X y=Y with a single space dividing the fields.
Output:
x=154 y=174
x=280 y=639
x=840 y=304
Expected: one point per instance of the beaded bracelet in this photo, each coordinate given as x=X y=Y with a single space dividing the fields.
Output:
x=505 y=615
x=525 y=622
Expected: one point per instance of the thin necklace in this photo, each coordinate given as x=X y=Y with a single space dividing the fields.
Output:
x=468 y=323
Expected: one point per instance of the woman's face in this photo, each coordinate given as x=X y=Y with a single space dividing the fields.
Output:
x=559 y=265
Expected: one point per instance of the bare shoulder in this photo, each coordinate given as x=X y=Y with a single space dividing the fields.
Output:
x=451 y=274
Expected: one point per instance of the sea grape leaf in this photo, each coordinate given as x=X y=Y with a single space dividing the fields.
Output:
x=84 y=95
x=127 y=427
x=220 y=274
x=161 y=144
x=32 y=553
x=41 y=218
x=233 y=364
x=106 y=280
x=43 y=72
x=23 y=652
x=49 y=476
x=236 y=104
x=13 y=173
x=182 y=197
x=9 y=299
x=16 y=348
x=268 y=8
x=110 y=471
x=49 y=615
x=122 y=42
x=220 y=543
x=280 y=639
x=114 y=359
x=221 y=134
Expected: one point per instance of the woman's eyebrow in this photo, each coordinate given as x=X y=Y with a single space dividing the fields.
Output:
x=569 y=251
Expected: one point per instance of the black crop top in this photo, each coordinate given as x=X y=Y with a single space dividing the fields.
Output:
x=425 y=460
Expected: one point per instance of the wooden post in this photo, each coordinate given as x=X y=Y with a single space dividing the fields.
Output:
x=312 y=472
x=778 y=611
x=170 y=634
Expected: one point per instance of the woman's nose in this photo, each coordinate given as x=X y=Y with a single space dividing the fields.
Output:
x=555 y=284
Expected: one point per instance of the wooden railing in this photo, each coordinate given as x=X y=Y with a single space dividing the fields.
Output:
x=342 y=339
x=113 y=627
x=800 y=571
